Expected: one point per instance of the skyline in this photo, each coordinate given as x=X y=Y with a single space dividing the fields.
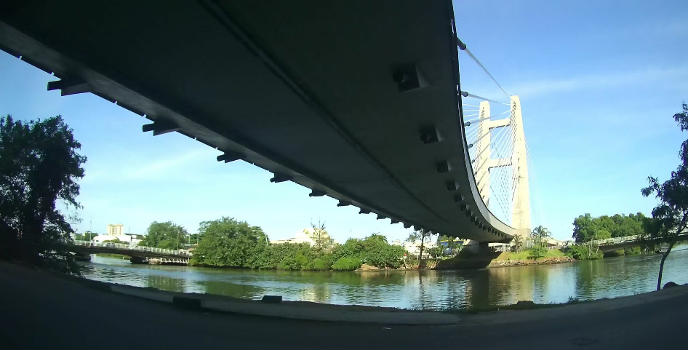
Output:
x=590 y=156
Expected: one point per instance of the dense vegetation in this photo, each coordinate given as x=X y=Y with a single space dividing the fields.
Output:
x=587 y=228
x=164 y=235
x=230 y=243
x=39 y=164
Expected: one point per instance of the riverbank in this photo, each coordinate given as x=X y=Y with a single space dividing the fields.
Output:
x=526 y=262
x=41 y=308
x=524 y=258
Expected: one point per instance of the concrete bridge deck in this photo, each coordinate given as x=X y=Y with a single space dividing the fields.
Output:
x=357 y=100
x=86 y=247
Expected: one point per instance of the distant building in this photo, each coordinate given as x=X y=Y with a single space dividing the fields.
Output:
x=306 y=236
x=115 y=229
x=414 y=247
x=116 y=233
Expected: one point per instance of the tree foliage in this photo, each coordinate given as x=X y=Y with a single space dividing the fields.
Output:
x=293 y=256
x=86 y=236
x=322 y=239
x=347 y=263
x=231 y=243
x=670 y=216
x=373 y=250
x=165 y=235
x=583 y=251
x=587 y=228
x=539 y=236
x=39 y=164
x=450 y=245
x=415 y=236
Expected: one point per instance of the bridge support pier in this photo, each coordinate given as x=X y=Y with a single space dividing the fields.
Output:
x=475 y=255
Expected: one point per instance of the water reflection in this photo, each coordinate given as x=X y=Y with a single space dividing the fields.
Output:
x=435 y=290
x=165 y=283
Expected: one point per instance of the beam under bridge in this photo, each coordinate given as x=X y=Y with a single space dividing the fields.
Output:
x=357 y=100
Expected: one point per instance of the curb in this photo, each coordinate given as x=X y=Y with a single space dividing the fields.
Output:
x=288 y=309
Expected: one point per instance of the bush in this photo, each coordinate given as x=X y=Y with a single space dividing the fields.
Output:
x=372 y=250
x=320 y=264
x=287 y=256
x=583 y=252
x=347 y=263
x=537 y=252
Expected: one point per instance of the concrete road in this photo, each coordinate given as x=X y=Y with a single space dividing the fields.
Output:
x=44 y=309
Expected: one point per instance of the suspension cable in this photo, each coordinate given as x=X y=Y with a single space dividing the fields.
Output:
x=463 y=47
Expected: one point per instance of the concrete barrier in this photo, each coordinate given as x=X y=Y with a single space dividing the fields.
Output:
x=290 y=309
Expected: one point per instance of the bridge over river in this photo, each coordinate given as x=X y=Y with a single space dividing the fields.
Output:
x=615 y=243
x=138 y=254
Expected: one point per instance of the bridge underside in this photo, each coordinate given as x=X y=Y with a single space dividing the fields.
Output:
x=303 y=89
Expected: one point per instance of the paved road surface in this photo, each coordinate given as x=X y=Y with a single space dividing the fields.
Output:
x=39 y=309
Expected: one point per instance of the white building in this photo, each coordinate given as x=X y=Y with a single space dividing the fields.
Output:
x=116 y=232
x=115 y=229
x=306 y=236
x=414 y=247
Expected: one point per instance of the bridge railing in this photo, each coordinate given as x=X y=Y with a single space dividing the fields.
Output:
x=626 y=239
x=124 y=246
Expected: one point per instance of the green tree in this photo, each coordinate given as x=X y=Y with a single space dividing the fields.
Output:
x=164 y=235
x=583 y=229
x=517 y=243
x=373 y=250
x=435 y=252
x=670 y=216
x=415 y=236
x=453 y=244
x=39 y=164
x=291 y=256
x=587 y=228
x=193 y=238
x=539 y=236
x=231 y=243
x=86 y=236
x=322 y=239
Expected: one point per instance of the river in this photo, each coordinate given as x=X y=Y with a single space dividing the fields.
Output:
x=427 y=290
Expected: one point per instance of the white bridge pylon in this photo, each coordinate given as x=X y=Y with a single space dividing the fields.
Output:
x=519 y=192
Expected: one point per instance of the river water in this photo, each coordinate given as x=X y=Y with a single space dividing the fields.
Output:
x=428 y=290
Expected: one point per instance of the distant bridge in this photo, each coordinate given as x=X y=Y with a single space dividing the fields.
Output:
x=610 y=244
x=137 y=253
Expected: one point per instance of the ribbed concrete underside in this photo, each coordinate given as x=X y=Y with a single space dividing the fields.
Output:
x=303 y=89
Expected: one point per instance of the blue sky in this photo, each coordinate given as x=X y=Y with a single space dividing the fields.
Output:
x=598 y=81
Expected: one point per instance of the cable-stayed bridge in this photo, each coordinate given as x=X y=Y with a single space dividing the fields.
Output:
x=358 y=100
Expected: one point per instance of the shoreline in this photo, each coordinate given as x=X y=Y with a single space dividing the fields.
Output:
x=528 y=262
